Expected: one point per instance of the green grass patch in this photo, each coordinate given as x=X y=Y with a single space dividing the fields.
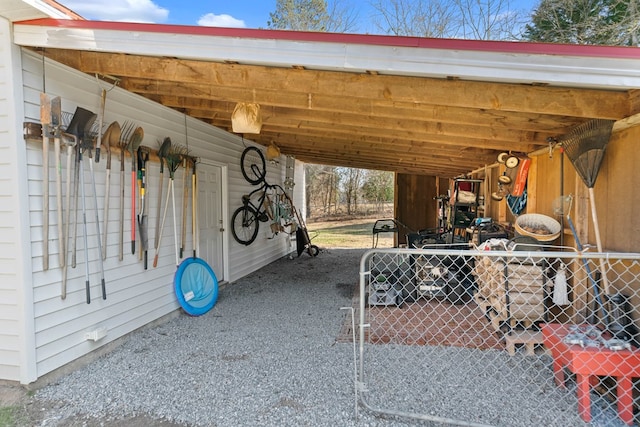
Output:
x=352 y=234
x=8 y=416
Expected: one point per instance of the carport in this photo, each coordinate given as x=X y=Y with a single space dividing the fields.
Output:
x=428 y=110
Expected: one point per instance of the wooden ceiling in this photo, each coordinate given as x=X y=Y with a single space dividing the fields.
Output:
x=441 y=127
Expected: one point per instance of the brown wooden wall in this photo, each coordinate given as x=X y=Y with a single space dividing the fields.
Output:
x=415 y=206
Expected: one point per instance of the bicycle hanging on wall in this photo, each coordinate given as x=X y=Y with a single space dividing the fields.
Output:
x=267 y=203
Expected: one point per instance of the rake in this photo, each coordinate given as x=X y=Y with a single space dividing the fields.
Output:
x=174 y=158
x=585 y=146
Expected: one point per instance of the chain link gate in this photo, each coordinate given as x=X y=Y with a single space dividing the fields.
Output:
x=505 y=336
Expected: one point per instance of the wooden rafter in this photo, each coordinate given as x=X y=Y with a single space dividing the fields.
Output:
x=431 y=126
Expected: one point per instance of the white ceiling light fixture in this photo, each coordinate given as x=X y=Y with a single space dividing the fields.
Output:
x=246 y=118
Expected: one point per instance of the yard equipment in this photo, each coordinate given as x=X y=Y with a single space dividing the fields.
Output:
x=194 y=206
x=185 y=199
x=125 y=138
x=70 y=144
x=162 y=153
x=132 y=146
x=143 y=157
x=56 y=119
x=91 y=149
x=585 y=146
x=110 y=137
x=303 y=241
x=173 y=158
x=80 y=126
x=562 y=206
x=45 y=120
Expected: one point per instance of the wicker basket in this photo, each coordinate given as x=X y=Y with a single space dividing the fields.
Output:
x=538 y=221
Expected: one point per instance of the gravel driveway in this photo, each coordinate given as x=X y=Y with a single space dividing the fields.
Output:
x=265 y=355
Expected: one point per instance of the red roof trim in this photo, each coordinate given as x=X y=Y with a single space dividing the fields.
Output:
x=364 y=39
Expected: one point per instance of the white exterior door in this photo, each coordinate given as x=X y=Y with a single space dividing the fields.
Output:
x=210 y=218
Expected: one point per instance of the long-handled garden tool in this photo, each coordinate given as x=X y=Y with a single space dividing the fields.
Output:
x=562 y=206
x=163 y=149
x=70 y=141
x=111 y=137
x=45 y=120
x=79 y=127
x=585 y=146
x=91 y=148
x=194 y=206
x=173 y=158
x=185 y=199
x=143 y=158
x=56 y=122
x=134 y=143
x=125 y=135
x=76 y=185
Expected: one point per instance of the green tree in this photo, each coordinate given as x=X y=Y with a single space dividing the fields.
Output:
x=312 y=15
x=590 y=22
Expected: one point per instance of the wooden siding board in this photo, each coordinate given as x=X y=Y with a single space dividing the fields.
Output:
x=134 y=296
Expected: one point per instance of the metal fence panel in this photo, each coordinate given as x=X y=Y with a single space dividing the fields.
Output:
x=471 y=337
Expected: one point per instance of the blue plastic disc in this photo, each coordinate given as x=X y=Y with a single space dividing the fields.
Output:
x=196 y=286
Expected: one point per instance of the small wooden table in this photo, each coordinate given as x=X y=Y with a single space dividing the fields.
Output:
x=589 y=362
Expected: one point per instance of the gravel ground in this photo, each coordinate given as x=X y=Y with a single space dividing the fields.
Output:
x=266 y=355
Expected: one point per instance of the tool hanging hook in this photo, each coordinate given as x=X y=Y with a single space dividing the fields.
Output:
x=115 y=83
x=552 y=144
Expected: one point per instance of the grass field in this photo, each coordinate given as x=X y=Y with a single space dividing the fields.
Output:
x=353 y=233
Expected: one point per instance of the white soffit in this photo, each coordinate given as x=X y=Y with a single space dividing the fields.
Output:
x=510 y=63
x=20 y=10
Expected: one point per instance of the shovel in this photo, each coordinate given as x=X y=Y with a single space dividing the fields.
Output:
x=133 y=145
x=110 y=137
x=45 y=119
x=143 y=157
x=80 y=125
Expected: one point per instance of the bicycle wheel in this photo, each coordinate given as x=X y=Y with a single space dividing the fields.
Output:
x=253 y=165
x=244 y=225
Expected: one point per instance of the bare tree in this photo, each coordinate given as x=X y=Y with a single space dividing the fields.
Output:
x=415 y=17
x=313 y=15
x=321 y=188
x=473 y=19
x=487 y=19
x=351 y=183
x=377 y=188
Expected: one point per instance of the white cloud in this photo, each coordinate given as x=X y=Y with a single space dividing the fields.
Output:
x=213 y=20
x=119 y=10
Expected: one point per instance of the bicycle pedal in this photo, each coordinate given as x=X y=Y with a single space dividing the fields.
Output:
x=263 y=217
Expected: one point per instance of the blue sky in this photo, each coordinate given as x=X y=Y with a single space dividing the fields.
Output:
x=221 y=13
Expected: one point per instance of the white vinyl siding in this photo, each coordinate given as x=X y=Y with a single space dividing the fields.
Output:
x=135 y=297
x=16 y=316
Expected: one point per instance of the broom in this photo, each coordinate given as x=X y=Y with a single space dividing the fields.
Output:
x=585 y=145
